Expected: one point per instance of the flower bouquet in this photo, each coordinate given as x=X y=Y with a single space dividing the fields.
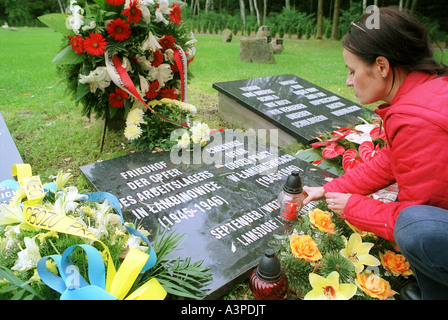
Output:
x=119 y=55
x=52 y=238
x=326 y=258
x=345 y=148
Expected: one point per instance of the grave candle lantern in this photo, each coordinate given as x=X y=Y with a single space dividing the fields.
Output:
x=268 y=281
x=291 y=197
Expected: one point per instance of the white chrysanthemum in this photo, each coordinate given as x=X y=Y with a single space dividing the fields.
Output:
x=135 y=116
x=187 y=107
x=132 y=132
x=184 y=141
x=200 y=133
x=97 y=79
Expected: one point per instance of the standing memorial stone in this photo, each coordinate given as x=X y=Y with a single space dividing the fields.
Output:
x=299 y=108
x=223 y=198
x=10 y=156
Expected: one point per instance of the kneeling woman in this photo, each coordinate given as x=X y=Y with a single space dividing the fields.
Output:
x=395 y=64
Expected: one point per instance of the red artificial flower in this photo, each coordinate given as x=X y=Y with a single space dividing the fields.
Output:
x=175 y=68
x=119 y=29
x=77 y=44
x=350 y=160
x=116 y=99
x=153 y=90
x=332 y=151
x=175 y=13
x=133 y=12
x=376 y=134
x=367 y=150
x=115 y=2
x=158 y=59
x=95 y=44
x=167 y=42
x=319 y=144
x=168 y=93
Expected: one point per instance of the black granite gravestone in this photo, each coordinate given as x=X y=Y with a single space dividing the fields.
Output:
x=222 y=197
x=10 y=156
x=294 y=105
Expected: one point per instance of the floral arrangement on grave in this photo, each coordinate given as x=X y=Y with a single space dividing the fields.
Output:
x=325 y=258
x=346 y=148
x=58 y=243
x=119 y=55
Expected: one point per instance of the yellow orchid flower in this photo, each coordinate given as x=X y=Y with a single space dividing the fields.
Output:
x=358 y=253
x=329 y=288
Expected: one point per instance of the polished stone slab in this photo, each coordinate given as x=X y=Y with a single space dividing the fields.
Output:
x=301 y=109
x=222 y=197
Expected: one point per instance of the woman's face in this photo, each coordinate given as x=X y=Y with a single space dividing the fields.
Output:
x=367 y=80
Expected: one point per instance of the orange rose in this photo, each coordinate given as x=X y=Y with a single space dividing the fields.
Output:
x=322 y=220
x=304 y=247
x=396 y=263
x=374 y=286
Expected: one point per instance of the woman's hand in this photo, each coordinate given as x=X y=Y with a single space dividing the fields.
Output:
x=313 y=193
x=337 y=201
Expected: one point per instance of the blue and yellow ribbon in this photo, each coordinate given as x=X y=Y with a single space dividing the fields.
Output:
x=113 y=285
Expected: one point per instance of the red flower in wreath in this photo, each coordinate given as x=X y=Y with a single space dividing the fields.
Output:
x=77 y=44
x=116 y=99
x=153 y=90
x=158 y=59
x=167 y=42
x=332 y=151
x=119 y=29
x=175 y=13
x=350 y=159
x=115 y=2
x=133 y=12
x=95 y=44
x=367 y=150
x=168 y=93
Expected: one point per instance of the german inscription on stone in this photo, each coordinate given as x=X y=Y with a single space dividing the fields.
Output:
x=294 y=105
x=221 y=197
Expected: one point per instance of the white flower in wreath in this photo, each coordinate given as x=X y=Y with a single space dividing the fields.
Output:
x=143 y=7
x=97 y=79
x=151 y=43
x=90 y=26
x=132 y=132
x=135 y=242
x=164 y=8
x=67 y=201
x=200 y=133
x=184 y=141
x=362 y=135
x=10 y=240
x=162 y=73
x=75 y=21
x=135 y=116
x=29 y=257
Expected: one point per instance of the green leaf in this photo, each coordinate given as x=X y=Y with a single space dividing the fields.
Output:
x=83 y=89
x=56 y=21
x=67 y=56
x=309 y=155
